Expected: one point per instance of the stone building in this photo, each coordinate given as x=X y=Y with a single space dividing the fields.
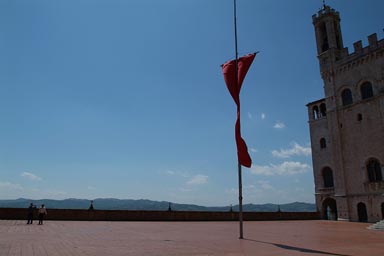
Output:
x=347 y=125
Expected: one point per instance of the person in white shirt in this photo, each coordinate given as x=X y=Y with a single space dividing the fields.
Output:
x=42 y=213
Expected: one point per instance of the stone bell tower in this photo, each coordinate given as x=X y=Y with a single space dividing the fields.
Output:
x=329 y=42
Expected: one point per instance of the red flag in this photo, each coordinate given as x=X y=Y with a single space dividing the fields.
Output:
x=234 y=86
x=229 y=71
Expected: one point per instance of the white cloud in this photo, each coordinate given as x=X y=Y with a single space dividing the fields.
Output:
x=11 y=186
x=232 y=191
x=176 y=173
x=279 y=125
x=30 y=176
x=185 y=189
x=249 y=115
x=295 y=150
x=263 y=116
x=198 y=179
x=91 y=188
x=253 y=150
x=264 y=184
x=286 y=168
x=170 y=172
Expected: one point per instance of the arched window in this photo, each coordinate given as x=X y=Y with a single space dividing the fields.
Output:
x=374 y=171
x=315 y=112
x=362 y=212
x=328 y=177
x=346 y=97
x=329 y=209
x=323 y=109
x=382 y=211
x=338 y=41
x=323 y=143
x=324 y=38
x=366 y=90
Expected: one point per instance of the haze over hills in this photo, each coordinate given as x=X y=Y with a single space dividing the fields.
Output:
x=144 y=204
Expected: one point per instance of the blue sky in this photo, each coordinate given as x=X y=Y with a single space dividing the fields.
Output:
x=125 y=98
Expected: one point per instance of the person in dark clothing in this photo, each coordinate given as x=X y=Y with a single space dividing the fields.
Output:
x=31 y=209
x=91 y=206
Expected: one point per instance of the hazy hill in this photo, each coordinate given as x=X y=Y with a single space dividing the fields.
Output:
x=143 y=204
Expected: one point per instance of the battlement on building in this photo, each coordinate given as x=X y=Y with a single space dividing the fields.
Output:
x=373 y=44
x=360 y=51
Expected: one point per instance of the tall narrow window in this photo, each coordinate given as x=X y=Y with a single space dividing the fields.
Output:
x=362 y=212
x=382 y=211
x=374 y=171
x=323 y=143
x=328 y=177
x=346 y=97
x=323 y=109
x=366 y=90
x=324 y=38
x=315 y=112
x=359 y=117
x=338 y=41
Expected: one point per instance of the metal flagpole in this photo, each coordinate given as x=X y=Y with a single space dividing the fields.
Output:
x=239 y=165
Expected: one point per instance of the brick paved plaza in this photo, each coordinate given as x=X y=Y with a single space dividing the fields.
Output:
x=73 y=238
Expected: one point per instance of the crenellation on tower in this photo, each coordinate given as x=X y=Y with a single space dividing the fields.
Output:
x=372 y=40
x=358 y=46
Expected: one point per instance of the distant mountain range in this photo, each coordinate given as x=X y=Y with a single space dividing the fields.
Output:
x=143 y=204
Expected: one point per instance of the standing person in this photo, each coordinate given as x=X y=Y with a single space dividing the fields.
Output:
x=91 y=206
x=31 y=209
x=42 y=213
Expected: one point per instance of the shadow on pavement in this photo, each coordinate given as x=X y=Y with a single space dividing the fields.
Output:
x=293 y=248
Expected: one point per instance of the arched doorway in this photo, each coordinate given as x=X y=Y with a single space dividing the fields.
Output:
x=329 y=209
x=362 y=212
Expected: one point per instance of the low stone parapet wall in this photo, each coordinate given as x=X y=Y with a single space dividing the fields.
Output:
x=126 y=215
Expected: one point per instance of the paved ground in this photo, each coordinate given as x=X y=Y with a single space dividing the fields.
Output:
x=277 y=238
